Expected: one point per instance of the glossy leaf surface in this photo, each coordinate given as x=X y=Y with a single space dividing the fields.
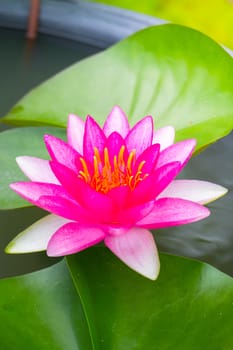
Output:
x=188 y=307
x=176 y=74
x=19 y=142
x=42 y=311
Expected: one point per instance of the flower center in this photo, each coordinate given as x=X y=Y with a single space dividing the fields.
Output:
x=108 y=175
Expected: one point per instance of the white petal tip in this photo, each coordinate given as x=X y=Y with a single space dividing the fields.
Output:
x=218 y=192
x=21 y=245
x=164 y=136
x=72 y=115
x=14 y=248
x=9 y=248
x=148 y=269
x=136 y=249
x=198 y=191
x=19 y=159
x=152 y=272
x=213 y=192
x=22 y=162
x=117 y=108
x=74 y=118
x=36 y=237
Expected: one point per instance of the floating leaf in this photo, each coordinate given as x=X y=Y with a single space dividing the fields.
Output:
x=42 y=311
x=188 y=307
x=176 y=74
x=14 y=143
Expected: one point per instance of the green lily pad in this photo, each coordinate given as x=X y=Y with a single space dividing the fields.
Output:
x=20 y=142
x=42 y=311
x=188 y=307
x=110 y=307
x=176 y=74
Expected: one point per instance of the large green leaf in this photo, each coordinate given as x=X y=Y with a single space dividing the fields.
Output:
x=176 y=74
x=188 y=307
x=42 y=311
x=14 y=143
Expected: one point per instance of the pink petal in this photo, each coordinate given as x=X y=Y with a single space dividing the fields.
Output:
x=140 y=136
x=32 y=191
x=99 y=204
x=152 y=185
x=93 y=138
x=164 y=136
x=113 y=144
x=116 y=121
x=150 y=156
x=36 y=237
x=50 y=197
x=194 y=190
x=119 y=196
x=75 y=132
x=163 y=176
x=133 y=214
x=172 y=212
x=72 y=238
x=137 y=249
x=62 y=152
x=63 y=207
x=36 y=169
x=68 y=179
x=142 y=192
x=179 y=152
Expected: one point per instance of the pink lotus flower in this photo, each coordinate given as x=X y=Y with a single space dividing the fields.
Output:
x=110 y=184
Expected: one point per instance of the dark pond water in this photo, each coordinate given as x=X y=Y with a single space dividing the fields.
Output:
x=24 y=65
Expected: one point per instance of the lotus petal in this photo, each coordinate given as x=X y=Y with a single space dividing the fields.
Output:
x=93 y=138
x=137 y=249
x=36 y=237
x=202 y=192
x=140 y=136
x=37 y=169
x=164 y=136
x=72 y=238
x=61 y=152
x=172 y=212
x=116 y=122
x=179 y=152
x=75 y=132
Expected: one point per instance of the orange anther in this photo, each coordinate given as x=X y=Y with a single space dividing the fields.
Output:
x=109 y=174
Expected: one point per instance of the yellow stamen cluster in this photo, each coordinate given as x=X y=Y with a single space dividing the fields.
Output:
x=107 y=176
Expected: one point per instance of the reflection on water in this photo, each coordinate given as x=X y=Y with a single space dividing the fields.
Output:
x=23 y=65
